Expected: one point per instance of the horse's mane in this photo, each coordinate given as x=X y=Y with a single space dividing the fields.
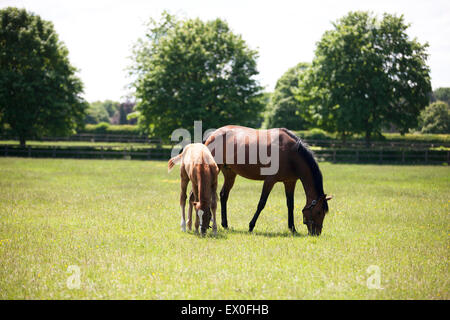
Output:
x=307 y=154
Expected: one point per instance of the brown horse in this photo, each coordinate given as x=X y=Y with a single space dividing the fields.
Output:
x=199 y=167
x=291 y=158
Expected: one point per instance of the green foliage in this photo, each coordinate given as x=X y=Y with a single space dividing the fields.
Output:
x=39 y=91
x=435 y=118
x=315 y=134
x=111 y=129
x=368 y=74
x=101 y=111
x=193 y=70
x=441 y=94
x=122 y=115
x=96 y=113
x=284 y=110
x=102 y=127
x=111 y=112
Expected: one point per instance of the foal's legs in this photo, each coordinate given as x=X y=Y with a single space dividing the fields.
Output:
x=195 y=195
x=289 y=188
x=191 y=205
x=184 y=184
x=267 y=187
x=229 y=177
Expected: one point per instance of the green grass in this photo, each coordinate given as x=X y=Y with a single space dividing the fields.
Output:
x=118 y=221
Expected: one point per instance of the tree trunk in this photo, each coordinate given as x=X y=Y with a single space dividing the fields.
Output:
x=22 y=141
x=368 y=134
x=344 y=137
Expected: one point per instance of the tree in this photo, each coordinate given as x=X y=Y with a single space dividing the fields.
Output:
x=441 y=94
x=39 y=91
x=193 y=70
x=101 y=111
x=284 y=109
x=121 y=115
x=435 y=118
x=368 y=74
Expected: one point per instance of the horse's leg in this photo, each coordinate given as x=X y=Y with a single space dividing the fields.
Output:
x=289 y=188
x=184 y=184
x=267 y=187
x=195 y=193
x=228 y=183
x=214 y=208
x=191 y=204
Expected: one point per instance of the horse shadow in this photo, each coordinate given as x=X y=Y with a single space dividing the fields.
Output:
x=267 y=234
x=223 y=234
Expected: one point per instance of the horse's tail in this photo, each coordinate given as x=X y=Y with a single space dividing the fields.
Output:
x=173 y=161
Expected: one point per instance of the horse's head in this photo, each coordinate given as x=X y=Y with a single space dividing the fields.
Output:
x=314 y=214
x=204 y=214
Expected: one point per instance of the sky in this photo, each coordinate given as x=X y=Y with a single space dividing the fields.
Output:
x=100 y=33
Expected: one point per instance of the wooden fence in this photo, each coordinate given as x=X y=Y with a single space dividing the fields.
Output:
x=384 y=156
x=82 y=152
x=105 y=137
x=356 y=144
x=332 y=155
x=334 y=144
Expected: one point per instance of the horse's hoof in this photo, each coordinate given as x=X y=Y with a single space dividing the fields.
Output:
x=224 y=225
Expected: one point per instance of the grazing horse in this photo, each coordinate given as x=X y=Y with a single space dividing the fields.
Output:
x=295 y=161
x=199 y=167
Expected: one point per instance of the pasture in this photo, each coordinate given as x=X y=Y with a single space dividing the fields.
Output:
x=118 y=222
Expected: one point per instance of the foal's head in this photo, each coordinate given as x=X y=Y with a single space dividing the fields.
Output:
x=204 y=214
x=314 y=214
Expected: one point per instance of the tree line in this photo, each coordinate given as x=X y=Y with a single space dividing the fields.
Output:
x=367 y=75
x=111 y=112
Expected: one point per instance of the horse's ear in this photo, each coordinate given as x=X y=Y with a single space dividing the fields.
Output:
x=329 y=198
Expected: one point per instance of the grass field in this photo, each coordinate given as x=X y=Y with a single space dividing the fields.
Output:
x=118 y=222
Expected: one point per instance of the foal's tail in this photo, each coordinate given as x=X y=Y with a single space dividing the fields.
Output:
x=174 y=161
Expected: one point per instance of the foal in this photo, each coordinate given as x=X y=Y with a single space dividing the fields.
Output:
x=199 y=167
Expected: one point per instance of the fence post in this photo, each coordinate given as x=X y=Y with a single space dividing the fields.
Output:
x=148 y=154
x=426 y=156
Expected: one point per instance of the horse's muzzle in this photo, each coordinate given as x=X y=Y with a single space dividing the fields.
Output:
x=313 y=228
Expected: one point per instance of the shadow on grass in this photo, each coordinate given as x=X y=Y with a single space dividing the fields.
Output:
x=209 y=235
x=223 y=234
x=268 y=234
